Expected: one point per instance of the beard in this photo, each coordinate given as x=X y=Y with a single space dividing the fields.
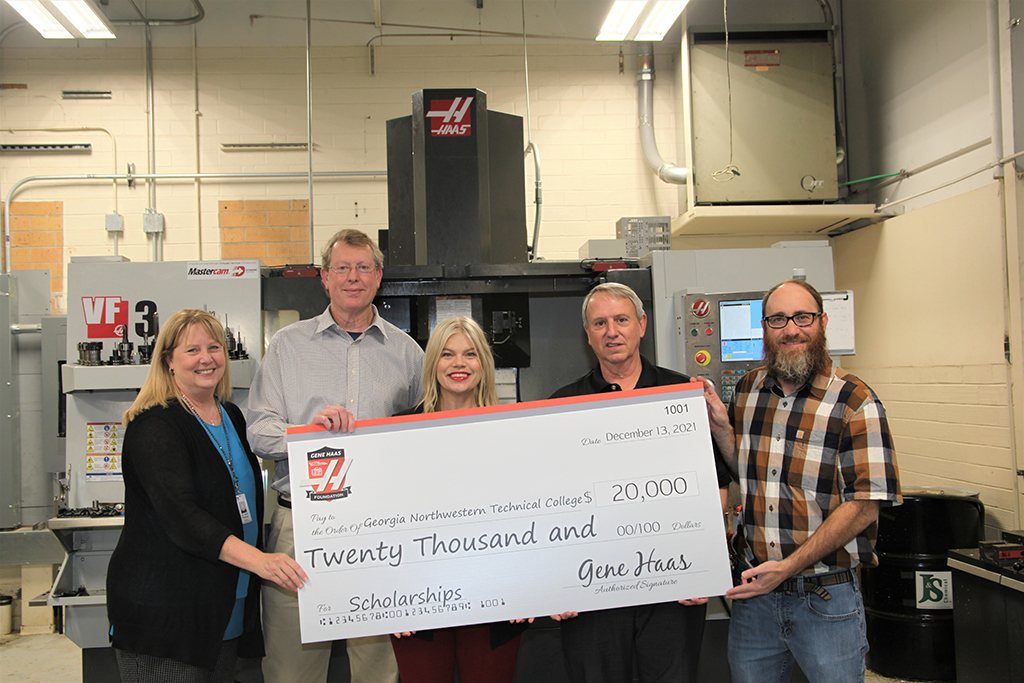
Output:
x=796 y=367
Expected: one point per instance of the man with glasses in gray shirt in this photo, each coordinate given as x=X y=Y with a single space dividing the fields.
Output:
x=344 y=365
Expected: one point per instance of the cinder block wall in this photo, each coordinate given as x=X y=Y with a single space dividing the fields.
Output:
x=929 y=289
x=583 y=118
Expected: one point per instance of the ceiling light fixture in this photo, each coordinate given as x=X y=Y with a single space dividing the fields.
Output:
x=86 y=18
x=644 y=20
x=67 y=19
x=660 y=20
x=40 y=18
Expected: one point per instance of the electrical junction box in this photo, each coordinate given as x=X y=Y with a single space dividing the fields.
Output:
x=114 y=222
x=774 y=110
x=603 y=249
x=152 y=222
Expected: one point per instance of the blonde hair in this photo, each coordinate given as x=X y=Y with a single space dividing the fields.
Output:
x=159 y=386
x=486 y=391
x=353 y=238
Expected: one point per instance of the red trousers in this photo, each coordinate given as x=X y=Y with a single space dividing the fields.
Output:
x=433 y=661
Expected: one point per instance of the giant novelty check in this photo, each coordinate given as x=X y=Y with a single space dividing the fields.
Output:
x=513 y=511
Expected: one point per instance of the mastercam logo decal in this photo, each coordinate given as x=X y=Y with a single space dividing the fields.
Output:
x=328 y=468
x=450 y=118
x=222 y=270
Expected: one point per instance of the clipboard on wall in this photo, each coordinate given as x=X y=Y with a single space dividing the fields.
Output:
x=839 y=307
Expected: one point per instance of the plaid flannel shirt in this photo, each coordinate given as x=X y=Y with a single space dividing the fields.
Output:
x=801 y=456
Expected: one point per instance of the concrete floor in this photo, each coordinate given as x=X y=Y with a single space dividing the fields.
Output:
x=53 y=658
x=39 y=659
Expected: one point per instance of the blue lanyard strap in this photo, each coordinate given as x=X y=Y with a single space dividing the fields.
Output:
x=225 y=448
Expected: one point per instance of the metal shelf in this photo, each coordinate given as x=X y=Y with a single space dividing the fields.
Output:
x=128 y=377
x=775 y=219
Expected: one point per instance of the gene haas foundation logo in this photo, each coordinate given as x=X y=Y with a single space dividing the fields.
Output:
x=449 y=118
x=327 y=470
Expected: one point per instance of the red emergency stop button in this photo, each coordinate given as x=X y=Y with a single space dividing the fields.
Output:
x=702 y=358
x=710 y=331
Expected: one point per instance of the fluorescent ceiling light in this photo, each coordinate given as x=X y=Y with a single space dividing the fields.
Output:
x=645 y=20
x=40 y=18
x=64 y=18
x=86 y=18
x=620 y=19
x=660 y=20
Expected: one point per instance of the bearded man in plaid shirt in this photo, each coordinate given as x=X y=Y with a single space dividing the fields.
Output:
x=811 y=448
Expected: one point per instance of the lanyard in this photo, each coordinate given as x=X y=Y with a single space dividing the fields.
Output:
x=225 y=449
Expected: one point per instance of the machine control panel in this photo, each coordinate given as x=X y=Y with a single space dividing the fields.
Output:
x=721 y=336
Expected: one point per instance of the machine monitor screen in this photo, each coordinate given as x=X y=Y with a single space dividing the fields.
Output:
x=741 y=330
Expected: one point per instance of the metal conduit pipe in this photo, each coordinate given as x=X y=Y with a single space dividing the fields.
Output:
x=143 y=21
x=666 y=170
x=994 y=85
x=151 y=137
x=195 y=143
x=13 y=27
x=162 y=176
x=309 y=126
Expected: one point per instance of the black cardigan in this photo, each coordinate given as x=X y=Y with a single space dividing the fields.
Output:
x=168 y=594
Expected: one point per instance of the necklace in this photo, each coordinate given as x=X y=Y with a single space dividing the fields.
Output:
x=195 y=411
x=225 y=449
x=225 y=454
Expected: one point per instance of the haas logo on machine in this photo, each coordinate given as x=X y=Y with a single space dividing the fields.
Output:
x=446 y=117
x=328 y=468
x=105 y=316
x=700 y=308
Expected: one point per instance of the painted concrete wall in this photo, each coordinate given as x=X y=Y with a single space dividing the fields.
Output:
x=582 y=117
x=932 y=285
x=929 y=318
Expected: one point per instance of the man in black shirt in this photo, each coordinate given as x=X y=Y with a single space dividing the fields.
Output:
x=666 y=638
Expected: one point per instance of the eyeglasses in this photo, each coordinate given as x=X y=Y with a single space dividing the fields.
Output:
x=777 y=322
x=362 y=269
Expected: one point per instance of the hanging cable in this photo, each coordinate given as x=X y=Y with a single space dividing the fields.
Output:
x=531 y=147
x=730 y=171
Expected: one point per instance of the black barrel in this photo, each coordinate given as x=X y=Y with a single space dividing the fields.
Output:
x=908 y=597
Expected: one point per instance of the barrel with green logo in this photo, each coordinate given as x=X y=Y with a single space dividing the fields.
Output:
x=908 y=597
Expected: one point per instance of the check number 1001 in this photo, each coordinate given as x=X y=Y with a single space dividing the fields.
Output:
x=646 y=488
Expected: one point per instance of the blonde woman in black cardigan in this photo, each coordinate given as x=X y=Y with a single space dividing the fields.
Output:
x=183 y=583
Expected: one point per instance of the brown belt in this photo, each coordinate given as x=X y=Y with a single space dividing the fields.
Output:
x=793 y=585
x=284 y=502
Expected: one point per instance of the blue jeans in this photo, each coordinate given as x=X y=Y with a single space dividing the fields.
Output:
x=827 y=638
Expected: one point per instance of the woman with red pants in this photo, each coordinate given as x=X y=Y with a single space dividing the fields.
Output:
x=458 y=373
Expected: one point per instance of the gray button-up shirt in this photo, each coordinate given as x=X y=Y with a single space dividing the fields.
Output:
x=312 y=364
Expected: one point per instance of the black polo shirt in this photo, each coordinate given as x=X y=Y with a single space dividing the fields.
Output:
x=650 y=376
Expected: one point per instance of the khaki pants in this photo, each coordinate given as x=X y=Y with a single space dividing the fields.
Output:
x=288 y=660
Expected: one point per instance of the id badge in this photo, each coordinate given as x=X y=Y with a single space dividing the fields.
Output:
x=243 y=508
